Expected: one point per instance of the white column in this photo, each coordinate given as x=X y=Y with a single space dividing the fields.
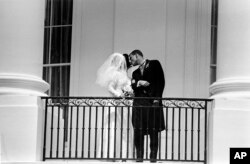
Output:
x=229 y=120
x=21 y=84
x=21 y=48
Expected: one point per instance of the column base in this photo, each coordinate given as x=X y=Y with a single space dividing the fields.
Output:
x=21 y=125
x=228 y=127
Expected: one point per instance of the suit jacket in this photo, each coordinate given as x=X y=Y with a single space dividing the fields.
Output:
x=152 y=73
x=147 y=117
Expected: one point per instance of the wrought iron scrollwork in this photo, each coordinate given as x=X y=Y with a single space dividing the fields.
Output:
x=184 y=104
x=89 y=102
x=96 y=101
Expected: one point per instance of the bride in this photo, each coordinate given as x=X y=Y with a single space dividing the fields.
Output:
x=116 y=141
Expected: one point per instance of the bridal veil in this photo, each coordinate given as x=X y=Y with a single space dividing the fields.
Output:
x=113 y=68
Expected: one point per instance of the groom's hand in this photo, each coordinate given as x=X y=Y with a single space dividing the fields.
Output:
x=156 y=103
x=142 y=83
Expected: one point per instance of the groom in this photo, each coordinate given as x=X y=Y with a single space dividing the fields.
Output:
x=147 y=81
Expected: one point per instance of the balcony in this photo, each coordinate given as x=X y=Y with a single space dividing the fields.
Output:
x=100 y=128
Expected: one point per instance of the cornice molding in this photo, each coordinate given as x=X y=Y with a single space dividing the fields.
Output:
x=22 y=84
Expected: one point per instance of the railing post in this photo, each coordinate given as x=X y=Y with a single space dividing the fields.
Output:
x=206 y=141
x=45 y=129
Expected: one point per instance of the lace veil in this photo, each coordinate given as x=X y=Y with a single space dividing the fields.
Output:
x=113 y=68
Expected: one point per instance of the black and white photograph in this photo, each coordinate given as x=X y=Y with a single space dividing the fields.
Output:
x=131 y=81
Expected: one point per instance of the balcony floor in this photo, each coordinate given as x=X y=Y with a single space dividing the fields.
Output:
x=95 y=162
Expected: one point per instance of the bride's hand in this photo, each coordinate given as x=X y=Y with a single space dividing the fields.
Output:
x=122 y=95
x=128 y=94
x=128 y=91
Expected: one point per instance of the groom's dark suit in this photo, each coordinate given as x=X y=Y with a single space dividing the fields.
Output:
x=148 y=120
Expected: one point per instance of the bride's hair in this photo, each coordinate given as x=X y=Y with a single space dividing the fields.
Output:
x=127 y=60
x=116 y=63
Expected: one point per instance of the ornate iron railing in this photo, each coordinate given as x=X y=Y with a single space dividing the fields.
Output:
x=100 y=128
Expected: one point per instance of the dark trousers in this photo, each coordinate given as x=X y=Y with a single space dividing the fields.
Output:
x=139 y=143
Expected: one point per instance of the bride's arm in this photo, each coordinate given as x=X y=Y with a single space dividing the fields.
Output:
x=128 y=87
x=112 y=90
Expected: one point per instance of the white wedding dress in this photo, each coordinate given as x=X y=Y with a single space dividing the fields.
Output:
x=116 y=133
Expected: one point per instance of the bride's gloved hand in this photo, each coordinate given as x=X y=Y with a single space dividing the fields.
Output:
x=122 y=95
x=128 y=94
x=128 y=91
